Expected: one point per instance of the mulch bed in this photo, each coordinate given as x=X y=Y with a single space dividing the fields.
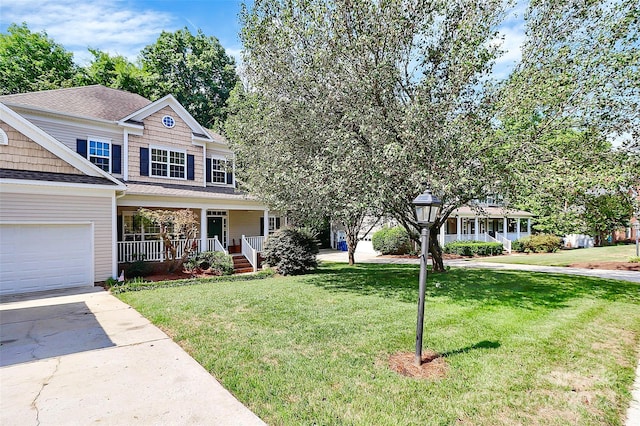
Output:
x=614 y=266
x=433 y=365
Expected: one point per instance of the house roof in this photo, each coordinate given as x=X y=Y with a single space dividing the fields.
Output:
x=54 y=177
x=494 y=212
x=98 y=102
x=173 y=190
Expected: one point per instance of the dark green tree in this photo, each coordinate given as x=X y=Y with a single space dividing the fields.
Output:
x=195 y=69
x=113 y=71
x=32 y=61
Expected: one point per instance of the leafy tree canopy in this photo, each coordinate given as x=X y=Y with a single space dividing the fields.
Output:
x=195 y=69
x=33 y=61
x=114 y=71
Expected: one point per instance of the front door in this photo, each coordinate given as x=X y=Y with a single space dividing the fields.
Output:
x=214 y=228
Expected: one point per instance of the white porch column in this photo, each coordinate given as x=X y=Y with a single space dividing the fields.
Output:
x=477 y=228
x=332 y=239
x=529 y=226
x=266 y=223
x=458 y=227
x=504 y=226
x=443 y=230
x=203 y=230
x=518 y=229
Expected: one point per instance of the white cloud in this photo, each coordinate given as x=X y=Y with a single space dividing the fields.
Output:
x=111 y=26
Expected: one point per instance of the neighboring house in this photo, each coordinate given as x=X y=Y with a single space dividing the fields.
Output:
x=76 y=165
x=487 y=221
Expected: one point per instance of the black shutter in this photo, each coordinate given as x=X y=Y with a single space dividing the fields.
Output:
x=229 y=178
x=144 y=161
x=191 y=175
x=262 y=226
x=208 y=169
x=277 y=223
x=116 y=158
x=81 y=147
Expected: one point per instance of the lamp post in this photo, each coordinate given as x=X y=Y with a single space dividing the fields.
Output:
x=427 y=209
x=637 y=228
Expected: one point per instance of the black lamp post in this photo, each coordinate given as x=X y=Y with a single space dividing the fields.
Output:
x=427 y=209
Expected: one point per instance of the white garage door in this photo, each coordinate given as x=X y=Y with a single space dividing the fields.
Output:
x=38 y=257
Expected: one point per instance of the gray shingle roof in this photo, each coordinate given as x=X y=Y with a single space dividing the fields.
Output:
x=88 y=101
x=171 y=190
x=491 y=212
x=53 y=177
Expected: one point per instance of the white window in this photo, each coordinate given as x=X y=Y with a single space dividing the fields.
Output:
x=274 y=223
x=136 y=228
x=167 y=163
x=100 y=154
x=221 y=167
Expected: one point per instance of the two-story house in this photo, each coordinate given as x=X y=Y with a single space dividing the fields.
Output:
x=76 y=165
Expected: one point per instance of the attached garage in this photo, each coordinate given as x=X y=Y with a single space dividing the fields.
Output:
x=45 y=256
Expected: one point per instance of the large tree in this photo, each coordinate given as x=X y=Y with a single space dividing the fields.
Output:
x=195 y=69
x=33 y=61
x=384 y=97
x=576 y=90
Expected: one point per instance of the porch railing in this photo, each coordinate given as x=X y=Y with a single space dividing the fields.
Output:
x=249 y=252
x=506 y=242
x=154 y=250
x=257 y=243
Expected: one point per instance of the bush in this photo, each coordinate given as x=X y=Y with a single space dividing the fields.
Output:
x=634 y=259
x=211 y=262
x=292 y=251
x=539 y=243
x=471 y=248
x=138 y=268
x=391 y=240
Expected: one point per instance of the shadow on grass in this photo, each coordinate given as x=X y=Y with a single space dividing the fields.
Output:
x=513 y=288
x=485 y=344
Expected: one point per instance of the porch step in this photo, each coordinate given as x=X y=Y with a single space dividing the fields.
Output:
x=241 y=264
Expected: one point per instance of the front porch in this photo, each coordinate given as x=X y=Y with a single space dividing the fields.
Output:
x=236 y=232
x=504 y=229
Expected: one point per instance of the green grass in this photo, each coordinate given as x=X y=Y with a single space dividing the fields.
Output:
x=621 y=253
x=522 y=348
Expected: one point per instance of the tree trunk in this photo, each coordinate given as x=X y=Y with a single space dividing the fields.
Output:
x=351 y=247
x=435 y=250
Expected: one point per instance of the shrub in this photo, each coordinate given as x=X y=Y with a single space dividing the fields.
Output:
x=634 y=259
x=138 y=268
x=539 y=243
x=471 y=248
x=391 y=240
x=211 y=262
x=292 y=251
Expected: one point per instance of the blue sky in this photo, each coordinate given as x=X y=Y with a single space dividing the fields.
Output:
x=126 y=26
x=123 y=26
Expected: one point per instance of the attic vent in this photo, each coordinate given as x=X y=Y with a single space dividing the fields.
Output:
x=168 y=121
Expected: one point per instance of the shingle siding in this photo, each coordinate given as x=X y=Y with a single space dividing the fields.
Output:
x=155 y=134
x=24 y=154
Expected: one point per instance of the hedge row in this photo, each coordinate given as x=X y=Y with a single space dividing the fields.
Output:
x=471 y=248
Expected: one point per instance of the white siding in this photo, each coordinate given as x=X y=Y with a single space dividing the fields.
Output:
x=68 y=132
x=16 y=207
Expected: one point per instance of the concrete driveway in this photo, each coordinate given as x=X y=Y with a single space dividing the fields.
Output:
x=81 y=357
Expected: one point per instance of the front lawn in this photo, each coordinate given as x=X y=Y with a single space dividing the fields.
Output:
x=620 y=253
x=522 y=348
